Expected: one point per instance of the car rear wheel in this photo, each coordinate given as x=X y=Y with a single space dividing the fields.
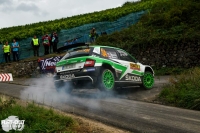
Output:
x=106 y=80
x=61 y=86
x=147 y=80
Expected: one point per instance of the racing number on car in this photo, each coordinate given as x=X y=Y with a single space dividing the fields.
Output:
x=134 y=66
x=103 y=53
x=68 y=77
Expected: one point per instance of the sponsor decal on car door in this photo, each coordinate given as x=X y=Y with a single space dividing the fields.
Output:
x=130 y=73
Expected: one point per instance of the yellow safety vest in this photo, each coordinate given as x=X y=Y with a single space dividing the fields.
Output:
x=6 y=48
x=35 y=42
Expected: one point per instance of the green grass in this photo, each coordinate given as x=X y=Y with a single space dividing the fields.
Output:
x=183 y=90
x=37 y=119
x=169 y=22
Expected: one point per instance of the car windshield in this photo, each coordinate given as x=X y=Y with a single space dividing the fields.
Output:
x=77 y=52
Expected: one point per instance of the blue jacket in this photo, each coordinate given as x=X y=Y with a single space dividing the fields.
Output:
x=15 y=44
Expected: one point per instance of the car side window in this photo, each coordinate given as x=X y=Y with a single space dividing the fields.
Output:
x=125 y=56
x=109 y=53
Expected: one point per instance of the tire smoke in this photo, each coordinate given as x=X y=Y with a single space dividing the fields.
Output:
x=43 y=91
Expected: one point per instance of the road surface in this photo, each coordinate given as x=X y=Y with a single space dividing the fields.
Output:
x=126 y=109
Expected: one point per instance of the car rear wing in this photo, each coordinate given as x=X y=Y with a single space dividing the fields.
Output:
x=76 y=45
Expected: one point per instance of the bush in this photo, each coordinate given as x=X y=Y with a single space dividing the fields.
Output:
x=183 y=90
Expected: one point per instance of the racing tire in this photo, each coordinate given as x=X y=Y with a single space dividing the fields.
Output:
x=106 y=80
x=66 y=87
x=147 y=81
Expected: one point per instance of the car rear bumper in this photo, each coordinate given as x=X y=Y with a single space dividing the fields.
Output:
x=85 y=74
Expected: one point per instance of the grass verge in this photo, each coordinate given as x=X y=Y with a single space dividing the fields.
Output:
x=183 y=90
x=169 y=71
x=37 y=118
x=43 y=119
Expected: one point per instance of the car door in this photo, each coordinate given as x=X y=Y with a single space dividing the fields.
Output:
x=133 y=72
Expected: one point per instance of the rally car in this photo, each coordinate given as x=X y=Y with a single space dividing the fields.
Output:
x=103 y=67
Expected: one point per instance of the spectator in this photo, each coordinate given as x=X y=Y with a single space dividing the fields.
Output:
x=46 y=42
x=92 y=35
x=66 y=43
x=55 y=41
x=75 y=41
x=7 y=51
x=51 y=43
x=35 y=44
x=15 y=50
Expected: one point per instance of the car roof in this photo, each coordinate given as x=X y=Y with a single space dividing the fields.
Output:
x=96 y=46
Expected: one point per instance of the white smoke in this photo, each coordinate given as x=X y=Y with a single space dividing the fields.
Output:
x=42 y=91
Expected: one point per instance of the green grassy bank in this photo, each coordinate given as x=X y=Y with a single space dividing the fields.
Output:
x=168 y=22
x=183 y=90
x=37 y=119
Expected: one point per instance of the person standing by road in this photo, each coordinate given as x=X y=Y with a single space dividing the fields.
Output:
x=46 y=42
x=15 y=50
x=35 y=44
x=51 y=42
x=7 y=51
x=92 y=35
x=55 y=42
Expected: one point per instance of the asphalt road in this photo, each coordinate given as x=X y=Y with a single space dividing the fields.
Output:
x=126 y=109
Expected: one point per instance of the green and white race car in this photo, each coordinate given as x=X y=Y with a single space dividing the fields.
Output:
x=102 y=67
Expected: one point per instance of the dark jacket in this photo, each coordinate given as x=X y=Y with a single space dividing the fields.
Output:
x=55 y=39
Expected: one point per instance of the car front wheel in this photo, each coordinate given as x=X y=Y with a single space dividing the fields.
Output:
x=147 y=80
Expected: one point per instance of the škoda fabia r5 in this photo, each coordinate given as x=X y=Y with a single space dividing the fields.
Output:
x=102 y=67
